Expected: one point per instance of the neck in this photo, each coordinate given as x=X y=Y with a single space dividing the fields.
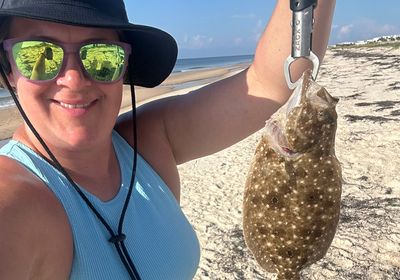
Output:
x=95 y=168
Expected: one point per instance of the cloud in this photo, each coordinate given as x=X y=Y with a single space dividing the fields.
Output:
x=362 y=29
x=256 y=28
x=260 y=24
x=196 y=42
x=345 y=30
x=256 y=31
x=238 y=41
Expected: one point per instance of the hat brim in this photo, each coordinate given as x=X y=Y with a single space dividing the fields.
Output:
x=154 y=54
x=154 y=51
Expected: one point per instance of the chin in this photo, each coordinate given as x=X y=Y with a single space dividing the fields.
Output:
x=81 y=140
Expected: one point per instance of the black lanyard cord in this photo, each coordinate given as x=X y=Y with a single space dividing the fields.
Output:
x=116 y=239
x=126 y=260
x=134 y=275
x=134 y=130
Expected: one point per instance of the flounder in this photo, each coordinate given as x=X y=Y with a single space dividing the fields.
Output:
x=291 y=201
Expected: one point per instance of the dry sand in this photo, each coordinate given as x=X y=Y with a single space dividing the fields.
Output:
x=367 y=243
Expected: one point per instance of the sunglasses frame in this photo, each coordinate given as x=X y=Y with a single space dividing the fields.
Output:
x=68 y=49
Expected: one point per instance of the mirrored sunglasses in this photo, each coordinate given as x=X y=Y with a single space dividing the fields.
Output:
x=43 y=60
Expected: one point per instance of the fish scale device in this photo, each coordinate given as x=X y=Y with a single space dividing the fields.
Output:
x=302 y=28
x=291 y=202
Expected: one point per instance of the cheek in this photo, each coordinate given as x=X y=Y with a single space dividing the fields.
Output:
x=113 y=94
x=29 y=94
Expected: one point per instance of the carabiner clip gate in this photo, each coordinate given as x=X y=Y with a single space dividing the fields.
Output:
x=302 y=27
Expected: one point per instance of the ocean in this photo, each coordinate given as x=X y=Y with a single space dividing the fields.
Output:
x=182 y=65
x=5 y=99
x=190 y=64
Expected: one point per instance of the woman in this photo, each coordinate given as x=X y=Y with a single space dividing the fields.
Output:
x=68 y=205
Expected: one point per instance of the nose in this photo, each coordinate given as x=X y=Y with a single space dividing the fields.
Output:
x=72 y=75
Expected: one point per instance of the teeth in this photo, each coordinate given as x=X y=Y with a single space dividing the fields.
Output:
x=74 y=106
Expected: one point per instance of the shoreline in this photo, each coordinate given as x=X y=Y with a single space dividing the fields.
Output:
x=177 y=83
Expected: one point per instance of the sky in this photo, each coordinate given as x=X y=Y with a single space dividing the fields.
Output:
x=206 y=28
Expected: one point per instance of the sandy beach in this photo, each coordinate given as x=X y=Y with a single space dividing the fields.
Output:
x=367 y=243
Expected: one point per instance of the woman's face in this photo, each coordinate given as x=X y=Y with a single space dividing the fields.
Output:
x=72 y=111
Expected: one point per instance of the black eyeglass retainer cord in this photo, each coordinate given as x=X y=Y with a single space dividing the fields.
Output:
x=116 y=239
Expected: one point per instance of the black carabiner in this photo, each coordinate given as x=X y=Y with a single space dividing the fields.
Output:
x=299 y=5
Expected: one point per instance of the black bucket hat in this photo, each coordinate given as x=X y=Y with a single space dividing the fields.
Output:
x=154 y=51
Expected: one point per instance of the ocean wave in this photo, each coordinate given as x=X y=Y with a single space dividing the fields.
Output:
x=192 y=64
x=6 y=101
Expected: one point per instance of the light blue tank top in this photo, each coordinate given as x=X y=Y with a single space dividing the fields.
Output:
x=160 y=240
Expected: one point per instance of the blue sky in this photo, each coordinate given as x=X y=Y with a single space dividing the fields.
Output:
x=205 y=28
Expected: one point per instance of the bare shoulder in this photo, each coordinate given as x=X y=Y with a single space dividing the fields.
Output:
x=153 y=143
x=33 y=227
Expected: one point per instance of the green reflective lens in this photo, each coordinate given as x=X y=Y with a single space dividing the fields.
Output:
x=38 y=60
x=41 y=61
x=103 y=62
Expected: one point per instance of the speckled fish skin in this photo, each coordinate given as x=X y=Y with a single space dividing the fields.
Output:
x=292 y=194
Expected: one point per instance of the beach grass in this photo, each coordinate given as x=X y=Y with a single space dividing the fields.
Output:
x=385 y=44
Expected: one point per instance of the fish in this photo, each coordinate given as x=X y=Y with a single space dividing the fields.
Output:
x=292 y=195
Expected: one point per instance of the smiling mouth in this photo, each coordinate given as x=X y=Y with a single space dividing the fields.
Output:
x=74 y=106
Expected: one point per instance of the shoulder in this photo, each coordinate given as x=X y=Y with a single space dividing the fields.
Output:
x=153 y=142
x=32 y=221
